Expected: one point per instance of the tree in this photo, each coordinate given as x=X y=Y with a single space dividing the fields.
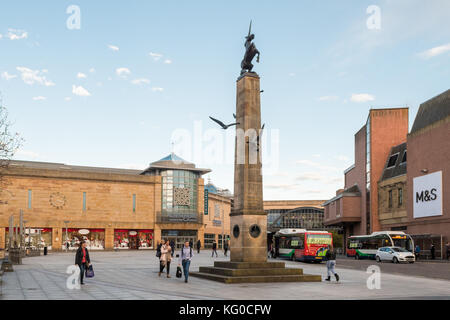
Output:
x=9 y=144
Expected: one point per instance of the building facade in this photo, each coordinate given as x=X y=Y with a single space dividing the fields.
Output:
x=428 y=173
x=110 y=208
x=306 y=214
x=392 y=191
x=355 y=207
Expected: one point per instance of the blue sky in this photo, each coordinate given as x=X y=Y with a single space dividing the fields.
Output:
x=113 y=92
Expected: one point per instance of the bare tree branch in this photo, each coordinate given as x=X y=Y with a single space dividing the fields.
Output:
x=9 y=144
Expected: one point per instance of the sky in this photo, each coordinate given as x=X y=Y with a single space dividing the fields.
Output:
x=122 y=84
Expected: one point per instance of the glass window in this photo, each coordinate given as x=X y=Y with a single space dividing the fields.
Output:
x=84 y=201
x=29 y=199
x=134 y=203
x=390 y=199
x=400 y=197
x=392 y=160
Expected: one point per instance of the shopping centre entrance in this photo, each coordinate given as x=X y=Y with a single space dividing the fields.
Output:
x=180 y=237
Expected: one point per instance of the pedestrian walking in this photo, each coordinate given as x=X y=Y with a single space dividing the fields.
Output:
x=172 y=245
x=166 y=257
x=82 y=260
x=417 y=251
x=331 y=263
x=433 y=252
x=191 y=244
x=185 y=259
x=447 y=250
x=214 y=249
x=158 y=249
x=199 y=245
x=225 y=248
x=67 y=245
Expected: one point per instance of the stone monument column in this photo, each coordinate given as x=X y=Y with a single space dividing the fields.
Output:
x=248 y=219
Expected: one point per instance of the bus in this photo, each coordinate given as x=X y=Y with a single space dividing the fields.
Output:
x=365 y=247
x=302 y=245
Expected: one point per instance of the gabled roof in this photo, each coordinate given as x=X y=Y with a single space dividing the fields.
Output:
x=432 y=111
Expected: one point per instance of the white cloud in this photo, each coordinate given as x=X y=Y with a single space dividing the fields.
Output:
x=167 y=61
x=80 y=91
x=16 y=34
x=123 y=72
x=7 y=76
x=140 y=81
x=113 y=48
x=314 y=176
x=34 y=76
x=39 y=98
x=317 y=165
x=328 y=98
x=91 y=70
x=155 y=56
x=341 y=158
x=436 y=51
x=157 y=89
x=67 y=98
x=362 y=97
x=27 y=154
x=81 y=75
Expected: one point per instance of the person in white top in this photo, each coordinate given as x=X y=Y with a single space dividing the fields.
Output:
x=185 y=259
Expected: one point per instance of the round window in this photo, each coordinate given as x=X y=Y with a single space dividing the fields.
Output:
x=255 y=231
x=236 y=231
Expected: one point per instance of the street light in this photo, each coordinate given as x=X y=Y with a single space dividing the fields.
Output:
x=66 y=222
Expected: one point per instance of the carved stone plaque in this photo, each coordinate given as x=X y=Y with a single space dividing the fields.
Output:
x=181 y=196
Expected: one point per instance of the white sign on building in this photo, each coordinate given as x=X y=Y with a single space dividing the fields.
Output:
x=427 y=195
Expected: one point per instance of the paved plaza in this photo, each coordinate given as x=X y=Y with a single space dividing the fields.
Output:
x=134 y=276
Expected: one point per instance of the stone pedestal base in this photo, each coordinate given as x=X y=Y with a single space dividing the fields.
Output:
x=253 y=272
x=246 y=245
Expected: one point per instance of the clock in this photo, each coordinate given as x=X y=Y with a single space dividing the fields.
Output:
x=57 y=200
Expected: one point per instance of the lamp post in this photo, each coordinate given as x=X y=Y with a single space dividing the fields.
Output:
x=66 y=222
x=24 y=231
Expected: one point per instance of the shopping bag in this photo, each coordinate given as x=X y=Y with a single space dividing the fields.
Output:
x=179 y=273
x=90 y=272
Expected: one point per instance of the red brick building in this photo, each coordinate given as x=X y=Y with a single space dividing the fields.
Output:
x=355 y=207
x=428 y=171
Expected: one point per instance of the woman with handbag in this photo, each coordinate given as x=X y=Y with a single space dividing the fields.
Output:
x=166 y=257
x=82 y=260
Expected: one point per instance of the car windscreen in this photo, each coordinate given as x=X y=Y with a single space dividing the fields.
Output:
x=399 y=250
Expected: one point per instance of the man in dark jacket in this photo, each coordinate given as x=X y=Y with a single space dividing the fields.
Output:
x=225 y=248
x=199 y=244
x=331 y=263
x=82 y=260
x=172 y=245
x=433 y=252
x=214 y=249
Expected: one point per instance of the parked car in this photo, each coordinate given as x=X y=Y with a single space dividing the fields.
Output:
x=394 y=254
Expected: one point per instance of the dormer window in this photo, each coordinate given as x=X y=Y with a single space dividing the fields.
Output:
x=392 y=160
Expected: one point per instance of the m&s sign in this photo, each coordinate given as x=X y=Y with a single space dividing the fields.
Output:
x=427 y=195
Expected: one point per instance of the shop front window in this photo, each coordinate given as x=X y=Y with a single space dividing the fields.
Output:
x=133 y=239
x=94 y=238
x=35 y=237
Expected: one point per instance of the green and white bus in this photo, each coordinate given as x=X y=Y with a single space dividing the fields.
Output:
x=365 y=247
